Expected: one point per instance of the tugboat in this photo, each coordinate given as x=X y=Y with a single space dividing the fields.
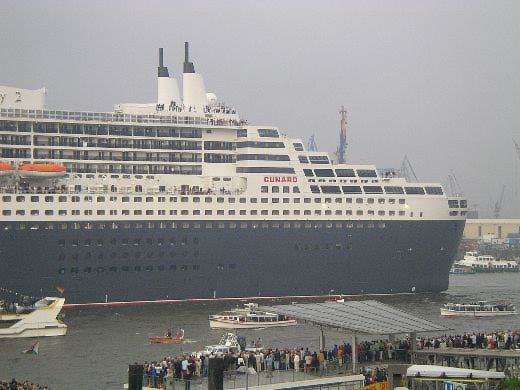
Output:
x=248 y=317
x=478 y=309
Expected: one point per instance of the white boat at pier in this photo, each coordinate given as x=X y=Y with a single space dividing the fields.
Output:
x=486 y=263
x=248 y=317
x=477 y=309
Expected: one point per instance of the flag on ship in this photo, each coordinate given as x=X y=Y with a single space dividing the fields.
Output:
x=34 y=349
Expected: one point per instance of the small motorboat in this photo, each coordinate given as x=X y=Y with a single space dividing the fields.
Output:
x=477 y=309
x=168 y=338
x=248 y=317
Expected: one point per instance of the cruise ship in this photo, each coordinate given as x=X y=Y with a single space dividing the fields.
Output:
x=181 y=198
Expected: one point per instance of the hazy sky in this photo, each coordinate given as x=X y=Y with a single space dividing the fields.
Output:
x=435 y=80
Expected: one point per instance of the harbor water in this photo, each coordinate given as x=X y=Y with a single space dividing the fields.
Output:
x=101 y=342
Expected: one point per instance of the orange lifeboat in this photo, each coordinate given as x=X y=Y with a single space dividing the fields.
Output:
x=41 y=170
x=6 y=169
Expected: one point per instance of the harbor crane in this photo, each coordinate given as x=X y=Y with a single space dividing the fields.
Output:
x=342 y=147
x=312 y=146
x=455 y=189
x=497 y=206
x=407 y=170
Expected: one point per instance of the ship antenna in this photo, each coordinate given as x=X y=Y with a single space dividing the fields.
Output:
x=188 y=66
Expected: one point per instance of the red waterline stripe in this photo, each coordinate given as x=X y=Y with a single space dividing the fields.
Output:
x=208 y=300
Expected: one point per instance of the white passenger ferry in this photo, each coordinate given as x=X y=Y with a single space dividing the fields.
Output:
x=478 y=309
x=181 y=198
x=487 y=263
x=248 y=317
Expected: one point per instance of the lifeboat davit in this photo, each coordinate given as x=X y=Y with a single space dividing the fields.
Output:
x=6 y=169
x=41 y=170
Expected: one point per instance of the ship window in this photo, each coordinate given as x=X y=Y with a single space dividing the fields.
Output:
x=373 y=189
x=359 y=200
x=315 y=189
x=7 y=198
x=88 y=198
x=138 y=212
x=20 y=198
x=345 y=173
x=370 y=212
x=101 y=212
x=401 y=212
x=453 y=203
x=75 y=199
x=49 y=212
x=366 y=173
x=298 y=147
x=35 y=198
x=324 y=173
x=208 y=212
x=62 y=199
x=8 y=212
x=370 y=200
x=348 y=200
x=100 y=198
x=351 y=189
x=196 y=212
x=308 y=172
x=319 y=159
x=401 y=201
x=414 y=190
x=434 y=190
x=138 y=199
x=330 y=189
x=208 y=199
x=62 y=212
x=359 y=212
x=220 y=212
x=268 y=133
x=149 y=199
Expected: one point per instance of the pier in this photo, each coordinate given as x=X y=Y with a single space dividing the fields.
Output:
x=507 y=361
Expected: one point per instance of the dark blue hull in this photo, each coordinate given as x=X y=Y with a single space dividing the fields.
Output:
x=193 y=260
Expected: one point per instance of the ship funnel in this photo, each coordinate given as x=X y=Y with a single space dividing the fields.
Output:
x=193 y=89
x=162 y=71
x=188 y=66
x=168 y=95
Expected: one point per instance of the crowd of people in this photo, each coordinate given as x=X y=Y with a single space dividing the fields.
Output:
x=255 y=360
x=267 y=360
x=24 y=385
x=505 y=339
